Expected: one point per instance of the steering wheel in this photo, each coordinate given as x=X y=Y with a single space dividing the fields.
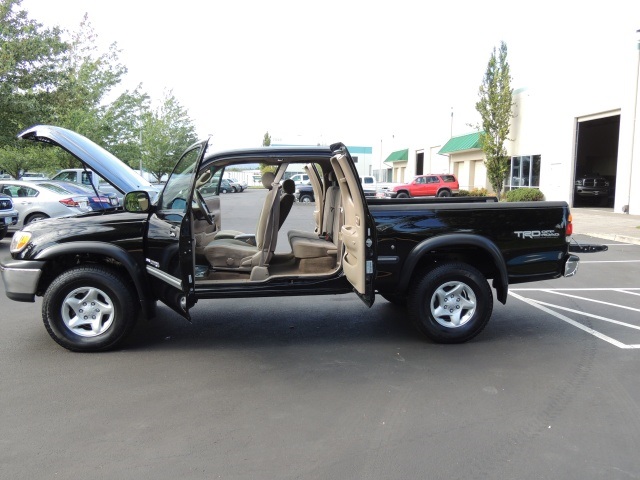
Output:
x=202 y=205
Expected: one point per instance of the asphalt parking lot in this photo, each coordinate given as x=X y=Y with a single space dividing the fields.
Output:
x=323 y=387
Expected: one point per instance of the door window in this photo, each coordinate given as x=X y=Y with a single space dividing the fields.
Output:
x=176 y=193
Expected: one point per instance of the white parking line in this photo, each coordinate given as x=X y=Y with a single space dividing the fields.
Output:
x=626 y=290
x=590 y=315
x=598 y=289
x=609 y=261
x=595 y=333
x=590 y=300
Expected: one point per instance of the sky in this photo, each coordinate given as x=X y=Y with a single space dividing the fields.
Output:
x=367 y=73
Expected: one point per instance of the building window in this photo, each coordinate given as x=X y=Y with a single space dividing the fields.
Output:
x=524 y=171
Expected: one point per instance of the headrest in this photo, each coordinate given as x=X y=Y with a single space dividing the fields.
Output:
x=289 y=186
x=268 y=179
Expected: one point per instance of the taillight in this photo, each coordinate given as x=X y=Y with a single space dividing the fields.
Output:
x=569 y=230
x=82 y=202
x=69 y=202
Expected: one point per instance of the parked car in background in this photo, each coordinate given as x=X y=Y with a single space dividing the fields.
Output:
x=440 y=185
x=592 y=186
x=88 y=177
x=300 y=178
x=225 y=187
x=8 y=214
x=105 y=201
x=240 y=186
x=33 y=176
x=369 y=185
x=36 y=202
x=304 y=193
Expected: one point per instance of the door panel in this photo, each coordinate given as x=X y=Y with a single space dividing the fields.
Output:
x=170 y=243
x=357 y=234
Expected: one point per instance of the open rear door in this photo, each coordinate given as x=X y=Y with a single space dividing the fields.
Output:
x=358 y=231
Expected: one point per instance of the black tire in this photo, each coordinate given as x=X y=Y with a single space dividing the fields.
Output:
x=34 y=217
x=444 y=193
x=399 y=300
x=233 y=190
x=306 y=199
x=223 y=190
x=402 y=195
x=470 y=292
x=103 y=290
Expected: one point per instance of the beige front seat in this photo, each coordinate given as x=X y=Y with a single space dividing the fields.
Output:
x=230 y=253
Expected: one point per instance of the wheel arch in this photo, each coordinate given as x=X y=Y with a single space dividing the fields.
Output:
x=62 y=256
x=474 y=250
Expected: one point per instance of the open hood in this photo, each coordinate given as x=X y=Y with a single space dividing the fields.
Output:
x=96 y=158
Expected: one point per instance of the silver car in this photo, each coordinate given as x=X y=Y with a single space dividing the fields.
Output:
x=35 y=202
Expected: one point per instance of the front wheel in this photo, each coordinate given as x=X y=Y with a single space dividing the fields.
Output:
x=451 y=304
x=89 y=308
x=305 y=199
x=402 y=195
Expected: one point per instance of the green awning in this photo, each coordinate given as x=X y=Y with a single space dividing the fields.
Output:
x=399 y=156
x=470 y=141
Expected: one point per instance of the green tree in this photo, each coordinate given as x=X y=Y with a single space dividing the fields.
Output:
x=166 y=132
x=79 y=101
x=266 y=142
x=495 y=108
x=31 y=63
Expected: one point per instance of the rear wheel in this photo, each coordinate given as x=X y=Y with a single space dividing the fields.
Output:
x=444 y=193
x=306 y=199
x=451 y=304
x=34 y=217
x=89 y=308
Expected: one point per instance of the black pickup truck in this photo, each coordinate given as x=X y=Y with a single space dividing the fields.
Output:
x=98 y=272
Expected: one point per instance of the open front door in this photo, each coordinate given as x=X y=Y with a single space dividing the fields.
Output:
x=169 y=250
x=358 y=231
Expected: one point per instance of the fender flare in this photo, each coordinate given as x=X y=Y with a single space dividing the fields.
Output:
x=137 y=274
x=501 y=283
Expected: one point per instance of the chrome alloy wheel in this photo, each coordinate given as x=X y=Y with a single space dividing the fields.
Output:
x=453 y=304
x=88 y=311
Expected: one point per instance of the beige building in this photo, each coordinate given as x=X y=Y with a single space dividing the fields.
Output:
x=573 y=129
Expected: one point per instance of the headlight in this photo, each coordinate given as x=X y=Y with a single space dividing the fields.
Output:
x=19 y=241
x=578 y=183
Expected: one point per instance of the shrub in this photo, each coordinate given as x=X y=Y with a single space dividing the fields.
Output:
x=478 y=192
x=524 y=195
x=474 y=192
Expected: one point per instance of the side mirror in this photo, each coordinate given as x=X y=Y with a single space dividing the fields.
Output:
x=137 y=202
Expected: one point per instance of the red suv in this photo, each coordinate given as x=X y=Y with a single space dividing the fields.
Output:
x=430 y=185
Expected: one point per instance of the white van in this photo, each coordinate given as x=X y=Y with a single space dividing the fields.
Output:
x=369 y=185
x=300 y=178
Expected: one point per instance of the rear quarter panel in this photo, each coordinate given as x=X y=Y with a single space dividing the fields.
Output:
x=530 y=235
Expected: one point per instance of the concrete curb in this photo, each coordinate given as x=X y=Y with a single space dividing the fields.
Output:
x=615 y=237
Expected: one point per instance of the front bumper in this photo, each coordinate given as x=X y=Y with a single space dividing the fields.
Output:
x=20 y=278
x=592 y=192
x=8 y=218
